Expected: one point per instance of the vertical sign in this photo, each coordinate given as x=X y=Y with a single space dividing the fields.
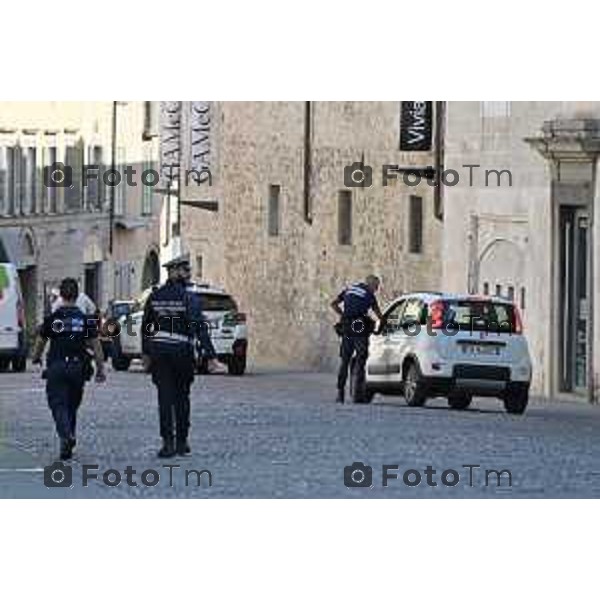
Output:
x=416 y=126
x=170 y=141
x=201 y=157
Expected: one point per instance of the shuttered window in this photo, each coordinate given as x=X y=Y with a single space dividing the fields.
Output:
x=345 y=218
x=415 y=225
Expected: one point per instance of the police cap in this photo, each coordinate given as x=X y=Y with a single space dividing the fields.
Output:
x=179 y=261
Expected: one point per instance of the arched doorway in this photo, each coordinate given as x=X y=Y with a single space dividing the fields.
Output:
x=151 y=270
x=501 y=271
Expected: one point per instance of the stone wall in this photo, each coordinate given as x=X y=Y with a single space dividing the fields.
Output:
x=285 y=283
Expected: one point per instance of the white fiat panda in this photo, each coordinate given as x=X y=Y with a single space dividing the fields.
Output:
x=458 y=346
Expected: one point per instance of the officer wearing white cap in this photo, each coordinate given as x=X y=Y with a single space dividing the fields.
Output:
x=169 y=329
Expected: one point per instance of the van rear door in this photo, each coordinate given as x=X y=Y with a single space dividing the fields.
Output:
x=10 y=299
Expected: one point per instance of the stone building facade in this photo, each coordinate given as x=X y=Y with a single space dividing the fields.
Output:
x=50 y=233
x=288 y=233
x=533 y=240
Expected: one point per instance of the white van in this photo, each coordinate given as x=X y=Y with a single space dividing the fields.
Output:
x=13 y=348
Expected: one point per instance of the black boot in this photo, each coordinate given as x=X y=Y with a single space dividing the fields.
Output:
x=66 y=450
x=167 y=450
x=340 y=397
x=183 y=448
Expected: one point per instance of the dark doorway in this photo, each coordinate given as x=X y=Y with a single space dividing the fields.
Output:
x=151 y=271
x=574 y=295
x=91 y=283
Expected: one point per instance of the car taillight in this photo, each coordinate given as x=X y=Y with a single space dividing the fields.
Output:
x=436 y=313
x=517 y=324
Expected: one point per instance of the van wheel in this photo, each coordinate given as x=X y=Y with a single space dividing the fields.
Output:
x=121 y=363
x=236 y=365
x=459 y=401
x=516 y=399
x=19 y=365
x=415 y=393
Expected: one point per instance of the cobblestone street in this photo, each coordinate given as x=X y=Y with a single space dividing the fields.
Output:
x=281 y=435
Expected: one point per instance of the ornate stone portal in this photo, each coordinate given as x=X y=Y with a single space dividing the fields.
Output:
x=571 y=147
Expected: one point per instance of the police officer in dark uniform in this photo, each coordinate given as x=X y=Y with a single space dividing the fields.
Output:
x=169 y=327
x=68 y=364
x=355 y=327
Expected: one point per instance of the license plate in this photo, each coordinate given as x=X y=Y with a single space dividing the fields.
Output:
x=481 y=349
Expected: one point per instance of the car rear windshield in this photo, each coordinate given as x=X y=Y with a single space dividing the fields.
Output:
x=118 y=310
x=480 y=315
x=218 y=302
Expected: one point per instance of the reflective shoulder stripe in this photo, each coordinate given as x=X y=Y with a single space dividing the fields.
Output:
x=167 y=336
x=358 y=291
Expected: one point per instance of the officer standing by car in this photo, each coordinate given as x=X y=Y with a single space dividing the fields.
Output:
x=169 y=327
x=68 y=364
x=215 y=366
x=355 y=327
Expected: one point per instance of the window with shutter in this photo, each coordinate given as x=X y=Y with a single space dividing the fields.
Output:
x=415 y=224
x=345 y=218
x=273 y=210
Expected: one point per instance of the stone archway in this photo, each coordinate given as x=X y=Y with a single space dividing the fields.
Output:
x=151 y=270
x=501 y=270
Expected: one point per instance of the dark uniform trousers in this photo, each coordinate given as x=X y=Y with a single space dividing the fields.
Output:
x=349 y=346
x=173 y=375
x=65 y=381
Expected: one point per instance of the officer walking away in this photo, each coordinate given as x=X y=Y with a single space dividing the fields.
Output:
x=68 y=364
x=169 y=328
x=355 y=327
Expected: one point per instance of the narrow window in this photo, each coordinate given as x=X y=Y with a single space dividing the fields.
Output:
x=486 y=289
x=150 y=120
x=51 y=191
x=498 y=290
x=415 y=223
x=273 y=216
x=345 y=218
x=511 y=293
x=522 y=298
x=121 y=189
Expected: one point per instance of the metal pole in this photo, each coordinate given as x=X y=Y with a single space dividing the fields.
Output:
x=111 y=208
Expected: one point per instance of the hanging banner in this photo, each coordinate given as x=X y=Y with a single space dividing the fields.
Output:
x=170 y=141
x=201 y=132
x=416 y=126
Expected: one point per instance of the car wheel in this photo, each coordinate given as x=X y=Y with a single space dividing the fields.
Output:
x=19 y=364
x=516 y=399
x=415 y=393
x=121 y=363
x=236 y=365
x=459 y=401
x=4 y=363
